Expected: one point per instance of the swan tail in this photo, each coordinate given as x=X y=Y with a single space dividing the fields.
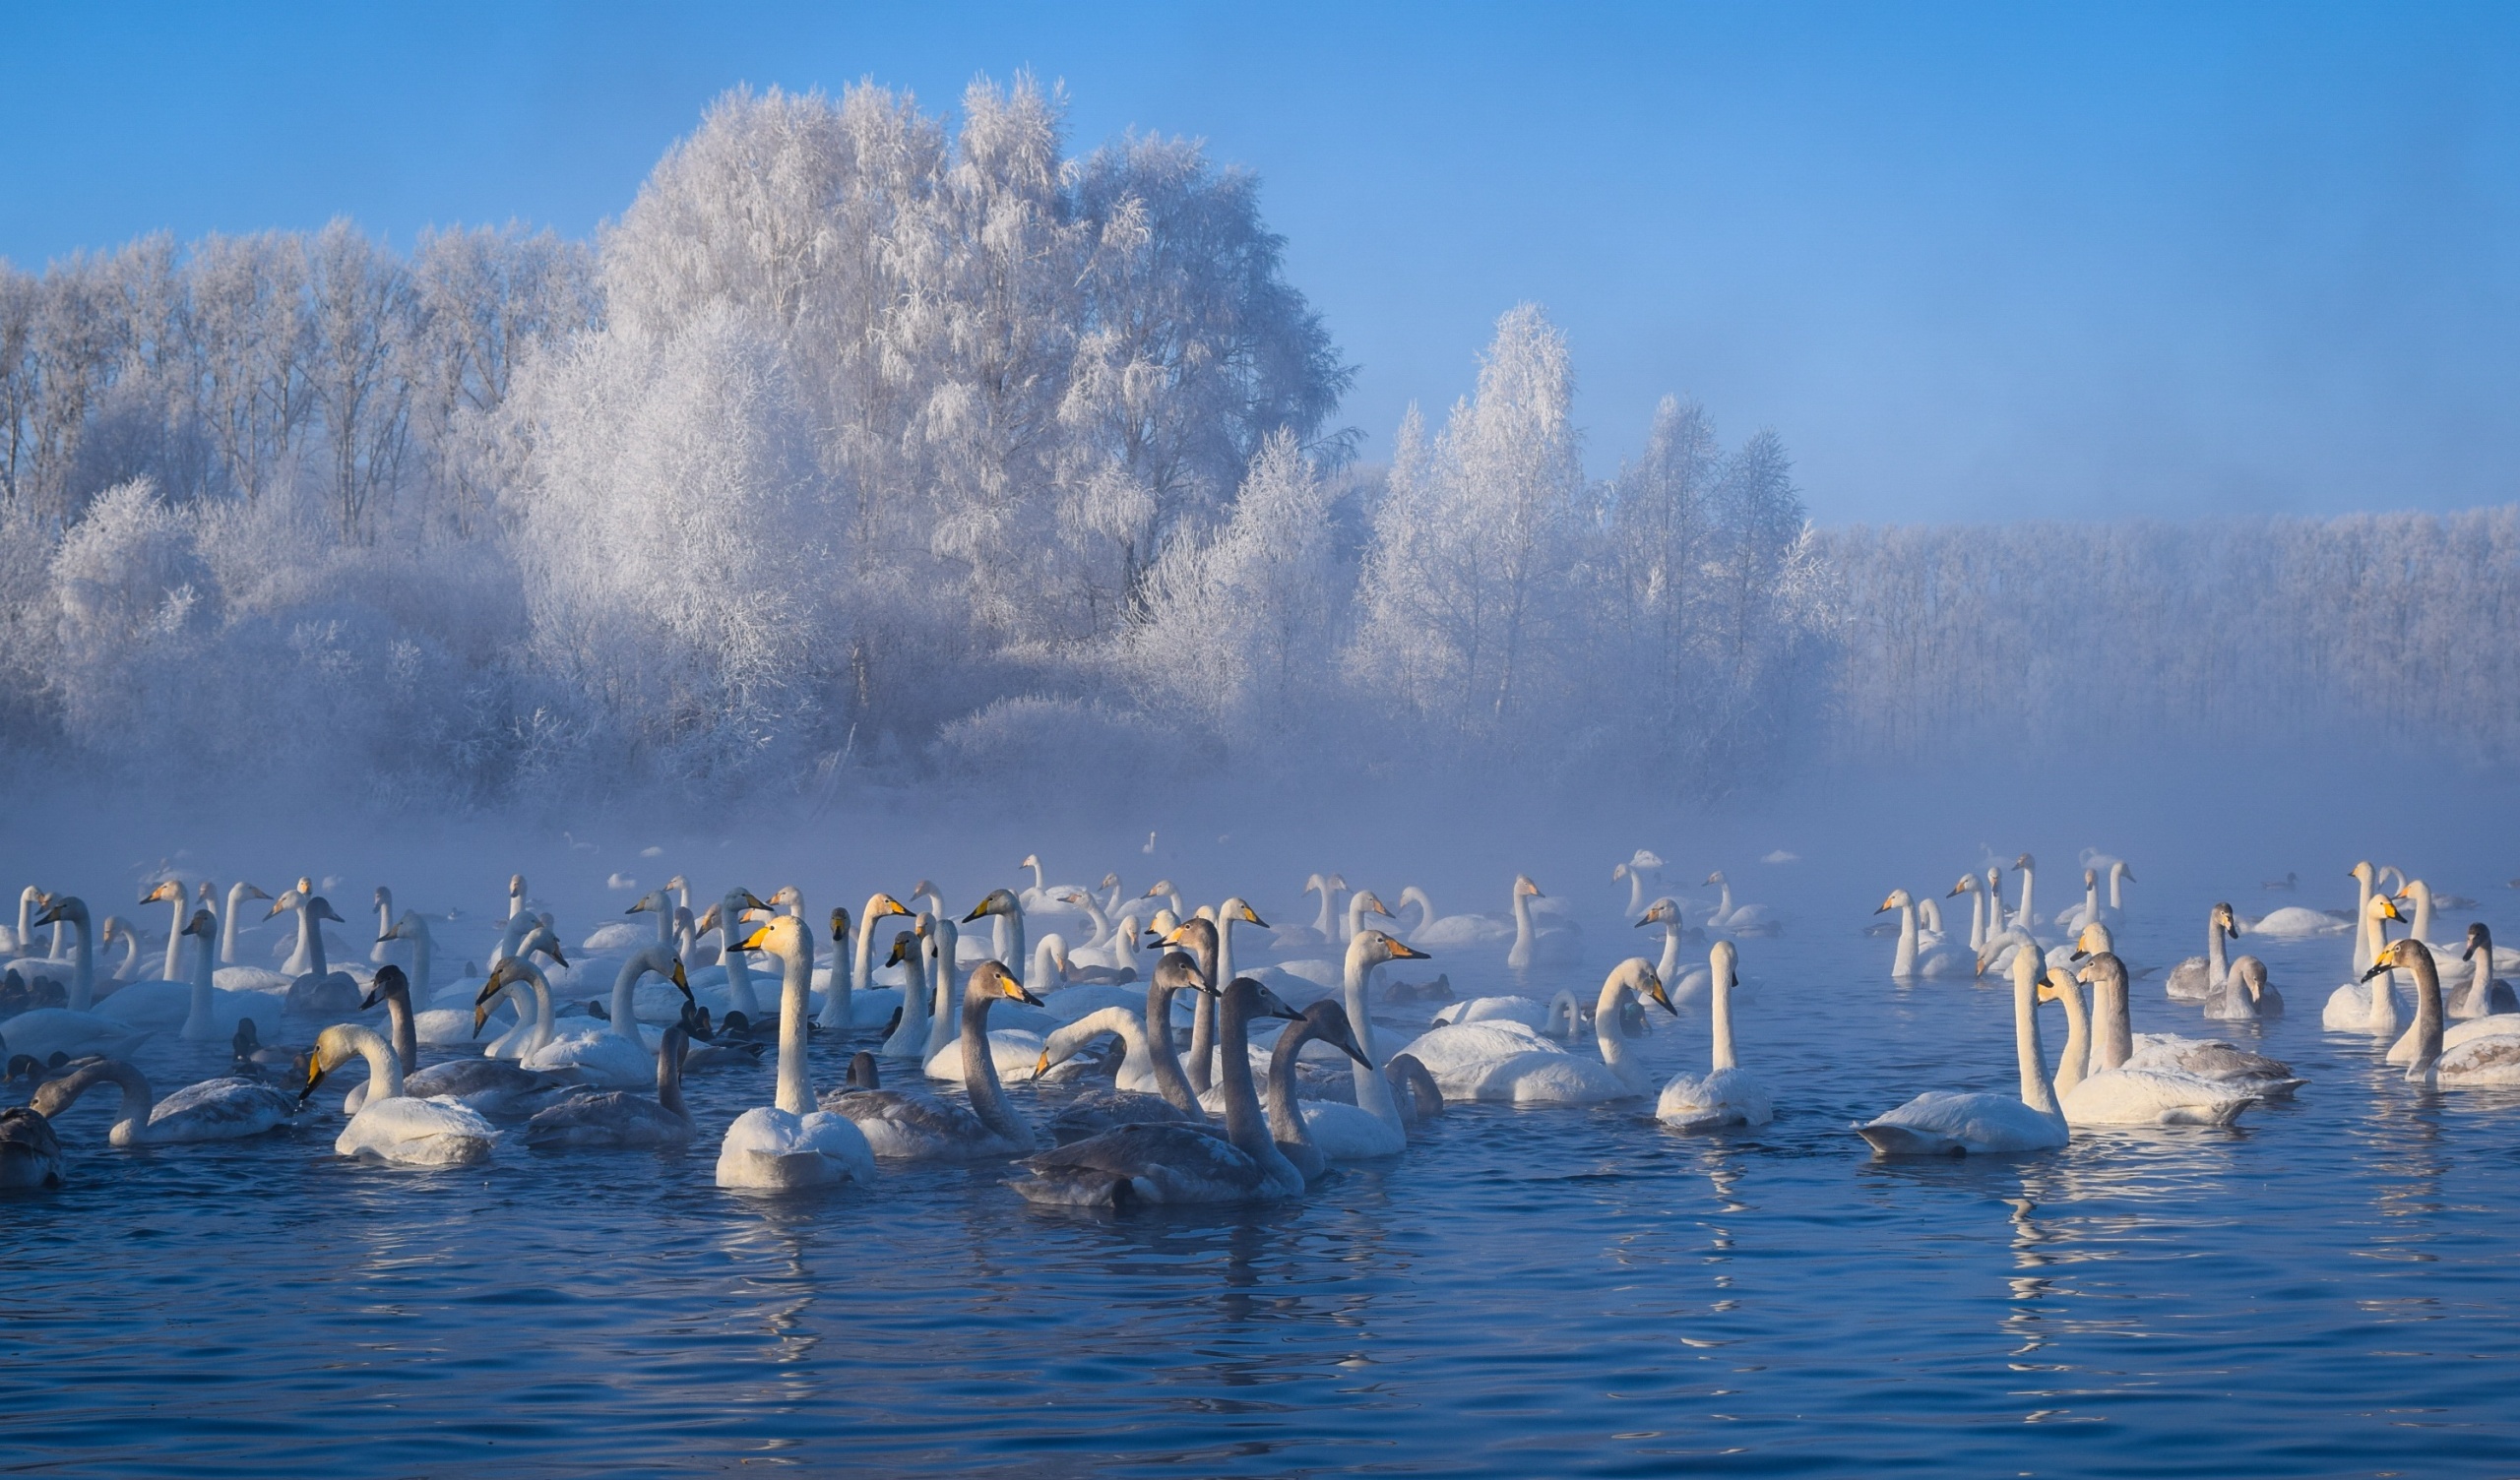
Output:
x=1907 y=1141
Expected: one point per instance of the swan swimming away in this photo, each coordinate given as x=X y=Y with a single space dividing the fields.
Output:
x=222 y=1109
x=1943 y=1122
x=791 y=1144
x=622 y=1118
x=1178 y=1163
x=393 y=1126
x=1726 y=1094
x=914 y=1127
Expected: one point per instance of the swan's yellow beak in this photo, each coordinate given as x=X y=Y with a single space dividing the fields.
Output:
x=682 y=980
x=1041 y=1064
x=2389 y=908
x=900 y=949
x=1402 y=951
x=1661 y=998
x=1887 y=905
x=1016 y=990
x=1252 y=916
x=753 y=941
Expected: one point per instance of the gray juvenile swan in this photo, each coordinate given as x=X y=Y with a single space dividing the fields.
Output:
x=622 y=1117
x=907 y=1126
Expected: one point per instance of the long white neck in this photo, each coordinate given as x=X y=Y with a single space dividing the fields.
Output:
x=1906 y=962
x=2422 y=909
x=1635 y=891
x=1725 y=909
x=1669 y=968
x=1976 y=920
x=1036 y=867
x=2075 y=1065
x=1373 y=1091
x=941 y=1025
x=199 y=1026
x=83 y=966
x=174 y=966
x=383 y=1071
x=2364 y=924
x=1606 y=1026
x=423 y=962
x=1009 y=932
x=1329 y=911
x=27 y=920
x=795 y=998
x=1522 y=922
x=2028 y=915
x=2037 y=1092
x=1720 y=995
x=310 y=938
x=1355 y=915
x=532 y=1014
x=2117 y=877
x=625 y=992
x=1225 y=947
x=741 y=996
x=1046 y=960
x=2090 y=900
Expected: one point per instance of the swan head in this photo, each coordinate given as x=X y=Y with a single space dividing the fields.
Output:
x=1312 y=883
x=652 y=901
x=541 y=938
x=320 y=909
x=390 y=983
x=1194 y=934
x=864 y=1072
x=384 y=897
x=516 y=886
x=172 y=889
x=1618 y=873
x=1160 y=925
x=290 y=899
x=839 y=926
x=2024 y=864
x=116 y=927
x=678 y=882
x=905 y=943
x=1523 y=885
x=1638 y=976
x=250 y=892
x=1330 y=1024
x=1372 y=905
x=2403 y=953
x=1723 y=964
x=1662 y=911
x=203 y=923
x=782 y=936
x=997 y=901
x=1372 y=947
x=2360 y=872
x=2252 y=972
x=515 y=971
x=732 y=904
x=709 y=919
x=1899 y=899
x=1238 y=911
x=2122 y=871
x=2092 y=941
x=992 y=981
x=1257 y=1001
x=1159 y=890
x=1031 y=861
x=1175 y=971
x=2384 y=909
x=2054 y=985
x=334 y=1046
x=788 y=895
x=2224 y=918
x=1715 y=878
x=2099 y=967
x=1337 y=881
x=68 y=907
x=1967 y=882
x=2479 y=939
x=2090 y=877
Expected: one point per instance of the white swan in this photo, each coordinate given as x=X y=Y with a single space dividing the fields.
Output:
x=615 y=1056
x=199 y=1010
x=1536 y=1070
x=315 y=988
x=2368 y=1004
x=1173 y=1163
x=490 y=1086
x=1945 y=1122
x=1726 y=1094
x=1533 y=947
x=839 y=1010
x=1644 y=864
x=1903 y=964
x=1681 y=985
x=908 y=1038
x=1740 y=919
x=1976 y=894
x=72 y=1030
x=171 y=892
x=2119 y=1097
x=1047 y=898
x=791 y=1144
x=2247 y=996
x=914 y=1127
x=223 y=1109
x=393 y=1126
x=2200 y=977
x=1380 y=1130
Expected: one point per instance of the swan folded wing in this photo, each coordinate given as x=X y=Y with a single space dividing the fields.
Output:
x=2212 y=1059
x=1106 y=1110
x=220 y=1109
x=2152 y=1097
x=419 y=1133
x=1949 y=1123
x=1154 y=1164
x=488 y=1086
x=1346 y=1133
x=606 y=1118
x=2490 y=1061
x=905 y=1125
x=604 y=1058
x=1457 y=1054
x=770 y=1149
x=1725 y=1097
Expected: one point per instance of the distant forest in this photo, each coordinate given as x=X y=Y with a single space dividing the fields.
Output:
x=871 y=446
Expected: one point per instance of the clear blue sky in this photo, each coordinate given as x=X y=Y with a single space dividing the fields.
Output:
x=1970 y=261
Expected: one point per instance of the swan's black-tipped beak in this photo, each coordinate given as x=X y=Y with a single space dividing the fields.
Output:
x=1020 y=993
x=682 y=980
x=977 y=910
x=1402 y=951
x=1648 y=920
x=2078 y=955
x=2377 y=968
x=1347 y=1044
x=314 y=1078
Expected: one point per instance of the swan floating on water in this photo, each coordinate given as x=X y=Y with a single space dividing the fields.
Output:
x=914 y=1127
x=2369 y=1003
x=393 y=1126
x=1945 y=1122
x=792 y=1144
x=1726 y=1094
x=222 y=1109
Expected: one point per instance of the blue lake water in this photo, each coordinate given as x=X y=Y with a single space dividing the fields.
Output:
x=2327 y=1289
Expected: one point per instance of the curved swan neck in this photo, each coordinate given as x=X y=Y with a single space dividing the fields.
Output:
x=1244 y=1124
x=2112 y=1027
x=625 y=990
x=1976 y=920
x=384 y=1070
x=2074 y=1066
x=2427 y=1012
x=980 y=1069
x=1669 y=968
x=131 y=1122
x=1605 y=1028
x=796 y=993
x=175 y=967
x=406 y=1032
x=1522 y=921
x=1285 y=1115
x=227 y=923
x=1166 y=1059
x=1373 y=1091
x=2037 y=1092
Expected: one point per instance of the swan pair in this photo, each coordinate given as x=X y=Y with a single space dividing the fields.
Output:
x=1509 y=1062
x=1905 y=965
x=222 y=1109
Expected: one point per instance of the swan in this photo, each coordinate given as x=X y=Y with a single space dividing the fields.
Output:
x=1643 y=865
x=2483 y=1058
x=1904 y=965
x=222 y=1109
x=2368 y=1004
x=1532 y=948
x=29 y=1151
x=839 y=1011
x=2116 y=1045
x=2246 y=995
x=944 y=950
x=622 y=1117
x=1382 y=1131
x=2091 y=910
x=1684 y=986
x=393 y=1126
x=1542 y=1072
x=1045 y=898
x=21 y=940
x=1976 y=894
x=1312 y=1134
x=2200 y=977
x=1173 y=1100
x=616 y=1057
x=491 y=1086
x=2486 y=993
x=315 y=989
x=1744 y=919
x=172 y=892
x=1529 y=1011
x=2025 y=918
x=436 y=1027
x=1726 y=1094
x=791 y=1144
x=530 y=993
x=1170 y=1163
x=199 y=1010
x=237 y=893
x=914 y=1127
x=2130 y=1096
x=908 y=1037
x=1136 y=1073
x=1947 y=1123
x=72 y=1029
